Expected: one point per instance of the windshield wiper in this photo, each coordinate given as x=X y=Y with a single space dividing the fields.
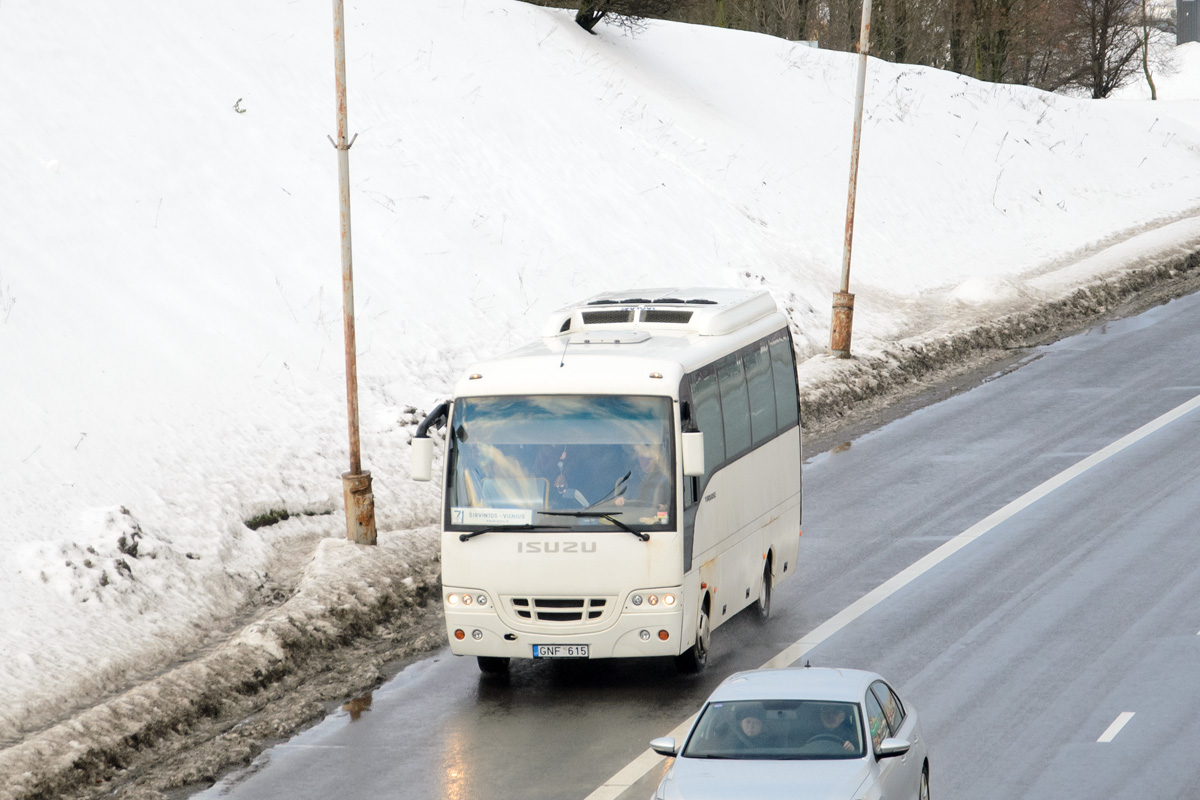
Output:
x=462 y=537
x=618 y=489
x=610 y=516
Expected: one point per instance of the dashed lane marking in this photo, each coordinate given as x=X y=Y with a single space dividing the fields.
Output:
x=1111 y=732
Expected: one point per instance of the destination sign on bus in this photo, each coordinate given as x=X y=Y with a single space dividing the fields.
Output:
x=491 y=516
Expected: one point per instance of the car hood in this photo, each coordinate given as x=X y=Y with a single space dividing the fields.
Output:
x=721 y=779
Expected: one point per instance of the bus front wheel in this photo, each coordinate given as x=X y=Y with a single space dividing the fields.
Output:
x=695 y=658
x=493 y=665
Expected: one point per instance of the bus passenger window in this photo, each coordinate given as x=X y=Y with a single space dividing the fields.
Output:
x=763 y=422
x=707 y=413
x=783 y=363
x=735 y=406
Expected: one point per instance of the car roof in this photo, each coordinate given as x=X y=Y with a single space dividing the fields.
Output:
x=796 y=683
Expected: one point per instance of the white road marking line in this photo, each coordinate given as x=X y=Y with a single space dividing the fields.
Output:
x=1115 y=728
x=648 y=760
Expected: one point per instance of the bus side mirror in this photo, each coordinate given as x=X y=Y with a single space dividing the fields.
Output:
x=422 y=458
x=693 y=453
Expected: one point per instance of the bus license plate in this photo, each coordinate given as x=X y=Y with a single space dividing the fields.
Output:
x=560 y=651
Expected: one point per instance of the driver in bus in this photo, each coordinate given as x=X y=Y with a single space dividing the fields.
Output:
x=648 y=484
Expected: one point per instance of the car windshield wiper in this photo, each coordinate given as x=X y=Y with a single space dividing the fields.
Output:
x=462 y=537
x=610 y=516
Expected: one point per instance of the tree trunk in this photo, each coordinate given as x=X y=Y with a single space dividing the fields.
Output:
x=1146 y=52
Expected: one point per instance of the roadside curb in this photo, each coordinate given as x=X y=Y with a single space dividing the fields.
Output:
x=906 y=366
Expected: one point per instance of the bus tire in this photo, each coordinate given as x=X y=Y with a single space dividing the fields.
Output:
x=695 y=658
x=762 y=609
x=493 y=665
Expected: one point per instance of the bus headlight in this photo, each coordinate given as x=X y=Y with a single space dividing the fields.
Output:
x=466 y=599
x=654 y=600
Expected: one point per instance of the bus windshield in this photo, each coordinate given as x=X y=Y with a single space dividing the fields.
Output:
x=513 y=458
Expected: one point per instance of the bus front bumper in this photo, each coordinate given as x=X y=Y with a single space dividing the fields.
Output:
x=629 y=635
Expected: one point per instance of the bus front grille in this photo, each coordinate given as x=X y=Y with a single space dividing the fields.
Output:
x=559 y=609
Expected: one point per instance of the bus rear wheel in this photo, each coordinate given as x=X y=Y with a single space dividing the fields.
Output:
x=695 y=658
x=762 y=608
x=493 y=665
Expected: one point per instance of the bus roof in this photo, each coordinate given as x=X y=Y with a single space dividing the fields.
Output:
x=631 y=342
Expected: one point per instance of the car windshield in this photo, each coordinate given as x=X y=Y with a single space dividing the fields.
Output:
x=777 y=729
x=513 y=459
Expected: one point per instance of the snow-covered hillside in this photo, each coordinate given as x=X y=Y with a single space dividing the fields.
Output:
x=170 y=304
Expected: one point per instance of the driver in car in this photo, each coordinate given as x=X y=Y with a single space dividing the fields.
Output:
x=835 y=724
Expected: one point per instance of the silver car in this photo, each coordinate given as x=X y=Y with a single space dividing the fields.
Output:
x=804 y=733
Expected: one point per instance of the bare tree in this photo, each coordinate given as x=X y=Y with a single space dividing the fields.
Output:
x=1146 y=51
x=1095 y=45
x=1107 y=40
x=787 y=19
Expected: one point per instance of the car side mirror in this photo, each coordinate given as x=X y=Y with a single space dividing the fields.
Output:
x=693 y=453
x=664 y=746
x=422 y=459
x=890 y=748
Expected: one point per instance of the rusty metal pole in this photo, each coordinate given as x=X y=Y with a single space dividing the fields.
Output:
x=356 y=484
x=843 y=301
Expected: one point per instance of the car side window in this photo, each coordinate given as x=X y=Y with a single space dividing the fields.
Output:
x=893 y=710
x=877 y=723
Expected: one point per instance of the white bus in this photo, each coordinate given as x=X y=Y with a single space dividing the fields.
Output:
x=624 y=485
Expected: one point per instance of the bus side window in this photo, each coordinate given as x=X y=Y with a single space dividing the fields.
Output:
x=735 y=406
x=763 y=423
x=783 y=363
x=706 y=411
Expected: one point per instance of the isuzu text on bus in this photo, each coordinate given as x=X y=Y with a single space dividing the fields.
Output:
x=625 y=484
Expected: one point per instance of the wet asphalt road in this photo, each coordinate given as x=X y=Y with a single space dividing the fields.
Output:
x=1019 y=651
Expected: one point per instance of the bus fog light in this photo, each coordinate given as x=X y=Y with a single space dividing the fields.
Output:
x=477 y=635
x=460 y=634
x=482 y=599
x=664 y=635
x=652 y=599
x=645 y=636
x=637 y=599
x=668 y=599
x=451 y=599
